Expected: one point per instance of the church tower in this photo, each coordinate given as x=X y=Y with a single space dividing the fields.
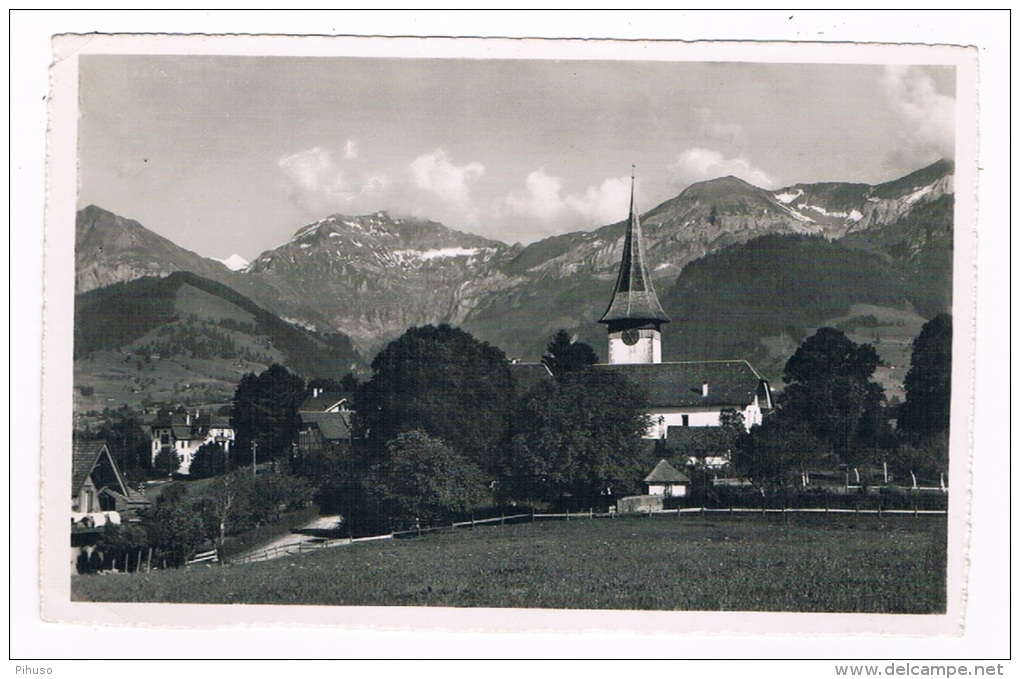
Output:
x=634 y=316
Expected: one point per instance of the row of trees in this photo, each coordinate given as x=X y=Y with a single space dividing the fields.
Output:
x=833 y=413
x=442 y=429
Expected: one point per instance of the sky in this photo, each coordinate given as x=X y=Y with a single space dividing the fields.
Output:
x=231 y=155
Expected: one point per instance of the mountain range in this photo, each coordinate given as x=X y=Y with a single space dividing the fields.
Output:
x=370 y=277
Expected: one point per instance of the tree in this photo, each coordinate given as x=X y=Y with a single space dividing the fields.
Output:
x=769 y=454
x=925 y=412
x=167 y=462
x=265 y=411
x=444 y=382
x=172 y=527
x=579 y=436
x=423 y=479
x=563 y=355
x=120 y=543
x=830 y=391
x=227 y=507
x=127 y=438
x=269 y=493
x=210 y=460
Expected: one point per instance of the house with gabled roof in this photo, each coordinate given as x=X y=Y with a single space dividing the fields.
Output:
x=324 y=401
x=681 y=394
x=327 y=423
x=185 y=433
x=98 y=487
x=666 y=480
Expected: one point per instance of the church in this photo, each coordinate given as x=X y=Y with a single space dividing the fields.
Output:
x=681 y=394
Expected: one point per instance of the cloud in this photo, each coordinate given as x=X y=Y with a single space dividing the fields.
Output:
x=698 y=164
x=709 y=126
x=606 y=203
x=351 y=150
x=320 y=183
x=928 y=116
x=540 y=200
x=313 y=171
x=435 y=174
x=542 y=203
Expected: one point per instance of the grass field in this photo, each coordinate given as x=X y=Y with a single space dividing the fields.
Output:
x=813 y=563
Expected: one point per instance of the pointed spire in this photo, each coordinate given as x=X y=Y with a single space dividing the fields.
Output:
x=634 y=297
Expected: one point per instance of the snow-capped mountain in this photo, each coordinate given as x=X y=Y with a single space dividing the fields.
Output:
x=373 y=276
x=234 y=262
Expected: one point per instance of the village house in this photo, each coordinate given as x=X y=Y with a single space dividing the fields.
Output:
x=681 y=394
x=667 y=481
x=326 y=422
x=185 y=433
x=99 y=495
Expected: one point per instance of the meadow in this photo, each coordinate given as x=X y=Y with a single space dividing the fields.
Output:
x=808 y=563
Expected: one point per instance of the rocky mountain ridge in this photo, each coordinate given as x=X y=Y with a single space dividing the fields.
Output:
x=372 y=276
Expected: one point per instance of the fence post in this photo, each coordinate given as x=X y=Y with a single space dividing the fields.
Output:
x=502 y=518
x=532 y=515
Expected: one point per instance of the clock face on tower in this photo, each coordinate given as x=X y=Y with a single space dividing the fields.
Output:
x=631 y=337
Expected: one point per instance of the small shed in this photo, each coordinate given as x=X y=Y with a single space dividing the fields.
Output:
x=667 y=481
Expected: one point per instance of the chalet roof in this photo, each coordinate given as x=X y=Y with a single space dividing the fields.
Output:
x=634 y=297
x=679 y=385
x=664 y=472
x=86 y=456
x=526 y=375
x=324 y=401
x=334 y=426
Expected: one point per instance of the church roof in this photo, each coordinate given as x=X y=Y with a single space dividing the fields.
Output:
x=634 y=296
x=664 y=472
x=679 y=385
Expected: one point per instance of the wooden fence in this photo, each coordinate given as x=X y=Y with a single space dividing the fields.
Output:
x=212 y=556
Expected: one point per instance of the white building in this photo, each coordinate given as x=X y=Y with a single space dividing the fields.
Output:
x=185 y=433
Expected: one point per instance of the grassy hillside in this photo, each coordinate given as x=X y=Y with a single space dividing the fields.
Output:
x=759 y=300
x=189 y=340
x=810 y=563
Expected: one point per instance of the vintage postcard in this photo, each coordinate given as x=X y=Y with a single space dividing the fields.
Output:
x=509 y=335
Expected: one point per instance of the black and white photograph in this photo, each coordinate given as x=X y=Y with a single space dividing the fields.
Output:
x=505 y=334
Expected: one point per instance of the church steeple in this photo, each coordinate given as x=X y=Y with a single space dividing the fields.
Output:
x=634 y=315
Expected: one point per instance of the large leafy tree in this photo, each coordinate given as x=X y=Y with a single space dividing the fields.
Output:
x=773 y=454
x=172 y=527
x=266 y=412
x=925 y=413
x=127 y=438
x=424 y=480
x=444 y=382
x=579 y=436
x=210 y=460
x=167 y=462
x=831 y=393
x=563 y=355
